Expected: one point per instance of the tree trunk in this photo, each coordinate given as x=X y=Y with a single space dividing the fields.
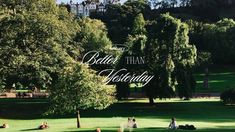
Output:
x=78 y=120
x=151 y=101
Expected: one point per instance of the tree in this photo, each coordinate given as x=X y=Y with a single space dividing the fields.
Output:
x=155 y=3
x=216 y=38
x=165 y=4
x=119 y=18
x=220 y=40
x=138 y=5
x=79 y=88
x=136 y=43
x=138 y=25
x=37 y=48
x=185 y=3
x=1 y=86
x=168 y=3
x=168 y=54
x=173 y=3
x=34 y=40
x=92 y=36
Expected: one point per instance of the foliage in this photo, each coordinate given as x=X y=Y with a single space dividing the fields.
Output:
x=1 y=86
x=79 y=88
x=136 y=43
x=138 y=6
x=217 y=39
x=138 y=25
x=228 y=96
x=167 y=4
x=119 y=18
x=203 y=59
x=93 y=36
x=38 y=48
x=223 y=42
x=168 y=54
x=34 y=39
x=220 y=40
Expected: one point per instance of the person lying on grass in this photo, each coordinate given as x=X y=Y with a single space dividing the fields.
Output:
x=43 y=126
x=173 y=124
x=4 y=126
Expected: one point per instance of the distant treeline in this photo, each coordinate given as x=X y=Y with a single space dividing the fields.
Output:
x=211 y=24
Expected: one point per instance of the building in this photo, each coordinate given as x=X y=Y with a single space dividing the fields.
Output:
x=87 y=6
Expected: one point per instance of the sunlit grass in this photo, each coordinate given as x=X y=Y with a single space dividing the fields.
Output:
x=219 y=80
x=207 y=115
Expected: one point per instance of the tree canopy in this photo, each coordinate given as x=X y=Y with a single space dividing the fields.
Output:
x=78 y=87
x=33 y=42
x=168 y=54
x=38 y=47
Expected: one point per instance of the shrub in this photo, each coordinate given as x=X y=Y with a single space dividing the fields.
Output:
x=228 y=96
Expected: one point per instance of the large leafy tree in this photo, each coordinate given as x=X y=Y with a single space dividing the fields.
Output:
x=37 y=48
x=34 y=38
x=79 y=88
x=136 y=42
x=93 y=36
x=216 y=38
x=119 y=18
x=168 y=54
x=219 y=38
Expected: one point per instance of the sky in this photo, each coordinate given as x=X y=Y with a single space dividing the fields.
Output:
x=75 y=1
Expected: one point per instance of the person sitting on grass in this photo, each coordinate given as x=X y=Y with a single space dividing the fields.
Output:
x=129 y=122
x=173 y=124
x=98 y=130
x=134 y=123
x=4 y=126
x=43 y=126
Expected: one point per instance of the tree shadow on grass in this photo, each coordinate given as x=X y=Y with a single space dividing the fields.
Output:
x=185 y=111
x=31 y=129
x=152 y=129
x=159 y=129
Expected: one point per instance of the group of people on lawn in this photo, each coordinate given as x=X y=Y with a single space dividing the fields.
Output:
x=44 y=125
x=131 y=123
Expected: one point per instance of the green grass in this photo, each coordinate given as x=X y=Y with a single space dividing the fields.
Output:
x=219 y=80
x=208 y=115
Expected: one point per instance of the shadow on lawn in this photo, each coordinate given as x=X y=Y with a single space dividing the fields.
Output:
x=158 y=129
x=152 y=129
x=185 y=111
x=32 y=129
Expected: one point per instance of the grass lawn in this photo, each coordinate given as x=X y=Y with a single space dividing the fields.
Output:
x=208 y=115
x=219 y=80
